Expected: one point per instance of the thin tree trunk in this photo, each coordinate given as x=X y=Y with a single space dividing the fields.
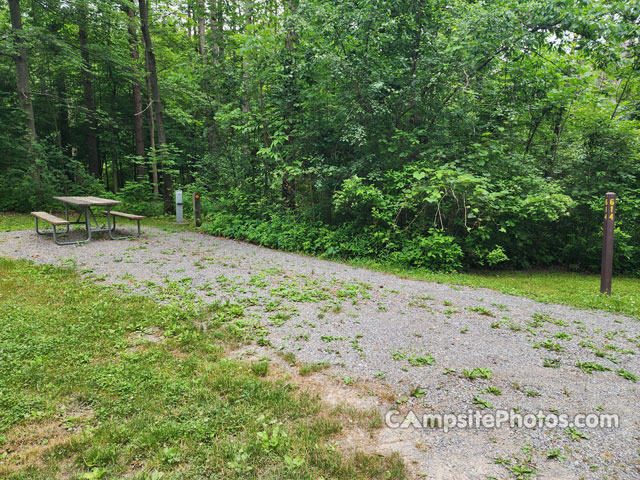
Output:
x=152 y=133
x=141 y=171
x=22 y=77
x=291 y=92
x=246 y=102
x=95 y=166
x=201 y=28
x=155 y=92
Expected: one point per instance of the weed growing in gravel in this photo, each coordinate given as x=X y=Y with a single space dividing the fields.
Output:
x=562 y=336
x=355 y=344
x=481 y=311
x=279 y=318
x=521 y=469
x=555 y=454
x=626 y=374
x=551 y=362
x=478 y=372
x=549 y=345
x=540 y=318
x=330 y=338
x=590 y=367
x=575 y=434
x=493 y=390
x=418 y=392
x=421 y=361
x=481 y=403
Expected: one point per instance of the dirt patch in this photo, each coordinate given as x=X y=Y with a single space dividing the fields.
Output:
x=360 y=406
x=27 y=444
x=151 y=335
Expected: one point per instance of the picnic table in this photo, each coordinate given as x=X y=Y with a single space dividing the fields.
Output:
x=85 y=204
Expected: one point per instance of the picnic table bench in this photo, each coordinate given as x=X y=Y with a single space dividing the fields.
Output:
x=90 y=222
x=54 y=221
x=130 y=216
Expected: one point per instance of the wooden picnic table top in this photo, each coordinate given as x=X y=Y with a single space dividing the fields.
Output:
x=88 y=201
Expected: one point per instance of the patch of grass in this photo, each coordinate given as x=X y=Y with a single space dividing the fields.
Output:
x=290 y=358
x=309 y=368
x=10 y=221
x=261 y=368
x=175 y=408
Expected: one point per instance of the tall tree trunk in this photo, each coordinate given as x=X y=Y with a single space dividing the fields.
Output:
x=22 y=77
x=291 y=92
x=141 y=171
x=157 y=104
x=202 y=33
x=248 y=12
x=95 y=166
x=152 y=131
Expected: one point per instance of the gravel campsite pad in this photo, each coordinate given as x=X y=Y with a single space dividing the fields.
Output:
x=440 y=349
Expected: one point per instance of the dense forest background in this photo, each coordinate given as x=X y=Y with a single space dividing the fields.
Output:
x=435 y=133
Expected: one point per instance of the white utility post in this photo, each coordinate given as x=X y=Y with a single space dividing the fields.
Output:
x=179 y=212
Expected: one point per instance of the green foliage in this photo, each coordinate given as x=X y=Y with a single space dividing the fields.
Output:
x=138 y=198
x=442 y=135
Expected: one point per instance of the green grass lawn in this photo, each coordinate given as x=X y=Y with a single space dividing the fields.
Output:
x=97 y=385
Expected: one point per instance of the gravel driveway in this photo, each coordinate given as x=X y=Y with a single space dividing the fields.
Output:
x=419 y=338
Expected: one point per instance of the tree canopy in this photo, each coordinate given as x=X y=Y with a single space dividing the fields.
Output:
x=433 y=133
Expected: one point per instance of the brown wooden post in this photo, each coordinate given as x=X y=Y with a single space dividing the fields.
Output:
x=606 y=270
x=196 y=209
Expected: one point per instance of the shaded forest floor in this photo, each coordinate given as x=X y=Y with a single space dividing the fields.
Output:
x=364 y=342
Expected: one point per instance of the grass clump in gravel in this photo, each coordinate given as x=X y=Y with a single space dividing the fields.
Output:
x=143 y=388
x=627 y=375
x=478 y=372
x=590 y=367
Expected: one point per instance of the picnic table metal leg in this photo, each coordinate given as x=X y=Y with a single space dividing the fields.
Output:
x=66 y=216
x=38 y=231
x=47 y=233
x=109 y=229
x=88 y=222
